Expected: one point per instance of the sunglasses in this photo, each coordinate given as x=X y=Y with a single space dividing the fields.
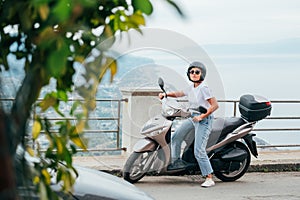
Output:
x=197 y=72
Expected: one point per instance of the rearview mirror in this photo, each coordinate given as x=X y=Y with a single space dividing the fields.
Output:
x=161 y=83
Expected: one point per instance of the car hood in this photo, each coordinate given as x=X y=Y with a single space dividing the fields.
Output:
x=92 y=183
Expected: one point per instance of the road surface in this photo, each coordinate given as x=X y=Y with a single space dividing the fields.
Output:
x=252 y=186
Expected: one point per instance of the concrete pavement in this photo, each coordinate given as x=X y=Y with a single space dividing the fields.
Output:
x=252 y=186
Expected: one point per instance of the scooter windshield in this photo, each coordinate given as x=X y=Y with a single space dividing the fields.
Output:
x=171 y=107
x=171 y=103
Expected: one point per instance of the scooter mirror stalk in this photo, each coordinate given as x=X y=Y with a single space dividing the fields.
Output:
x=161 y=85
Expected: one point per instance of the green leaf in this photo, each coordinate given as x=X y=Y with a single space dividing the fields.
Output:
x=172 y=3
x=25 y=19
x=57 y=60
x=137 y=18
x=59 y=174
x=107 y=38
x=47 y=102
x=46 y=176
x=78 y=141
x=73 y=148
x=111 y=64
x=44 y=11
x=80 y=126
x=56 y=108
x=68 y=158
x=60 y=146
x=30 y=151
x=117 y=20
x=62 y=10
x=113 y=69
x=143 y=5
x=75 y=105
x=62 y=95
x=64 y=82
x=36 y=129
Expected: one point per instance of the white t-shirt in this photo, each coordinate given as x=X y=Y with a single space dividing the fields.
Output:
x=198 y=96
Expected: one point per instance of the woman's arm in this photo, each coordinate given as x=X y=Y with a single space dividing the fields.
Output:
x=171 y=94
x=213 y=106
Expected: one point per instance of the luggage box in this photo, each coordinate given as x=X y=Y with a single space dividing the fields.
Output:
x=254 y=107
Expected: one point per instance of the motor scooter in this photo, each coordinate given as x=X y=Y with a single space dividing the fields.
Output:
x=228 y=148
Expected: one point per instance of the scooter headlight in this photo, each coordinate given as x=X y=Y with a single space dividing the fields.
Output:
x=152 y=134
x=169 y=111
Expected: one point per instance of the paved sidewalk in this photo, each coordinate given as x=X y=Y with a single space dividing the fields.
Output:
x=267 y=161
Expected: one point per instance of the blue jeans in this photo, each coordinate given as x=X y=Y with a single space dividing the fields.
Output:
x=202 y=131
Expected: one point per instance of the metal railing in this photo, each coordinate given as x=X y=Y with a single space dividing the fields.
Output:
x=116 y=118
x=273 y=118
x=117 y=131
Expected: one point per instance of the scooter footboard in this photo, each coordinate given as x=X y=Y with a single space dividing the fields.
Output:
x=145 y=145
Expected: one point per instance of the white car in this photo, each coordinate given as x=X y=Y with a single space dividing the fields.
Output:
x=90 y=184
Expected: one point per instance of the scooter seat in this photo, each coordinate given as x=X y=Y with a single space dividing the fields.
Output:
x=230 y=125
x=220 y=129
x=223 y=126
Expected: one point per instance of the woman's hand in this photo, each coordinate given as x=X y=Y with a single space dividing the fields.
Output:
x=161 y=95
x=197 y=118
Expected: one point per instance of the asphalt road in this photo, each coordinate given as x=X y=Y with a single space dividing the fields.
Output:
x=252 y=186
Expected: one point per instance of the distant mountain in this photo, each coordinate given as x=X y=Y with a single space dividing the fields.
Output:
x=288 y=46
x=129 y=74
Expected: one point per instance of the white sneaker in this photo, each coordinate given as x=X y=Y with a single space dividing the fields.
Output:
x=208 y=182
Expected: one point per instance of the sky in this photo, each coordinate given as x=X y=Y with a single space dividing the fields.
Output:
x=231 y=21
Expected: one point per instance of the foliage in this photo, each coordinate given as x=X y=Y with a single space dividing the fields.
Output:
x=51 y=36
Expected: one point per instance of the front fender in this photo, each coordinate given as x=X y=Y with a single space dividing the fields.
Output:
x=145 y=145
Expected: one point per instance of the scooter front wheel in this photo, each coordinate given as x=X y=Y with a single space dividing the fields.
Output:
x=137 y=165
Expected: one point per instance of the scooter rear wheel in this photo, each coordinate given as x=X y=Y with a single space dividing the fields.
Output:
x=136 y=166
x=228 y=176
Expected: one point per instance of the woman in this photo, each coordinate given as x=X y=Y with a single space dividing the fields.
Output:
x=199 y=95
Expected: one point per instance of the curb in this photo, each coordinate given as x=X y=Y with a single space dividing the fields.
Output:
x=286 y=167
